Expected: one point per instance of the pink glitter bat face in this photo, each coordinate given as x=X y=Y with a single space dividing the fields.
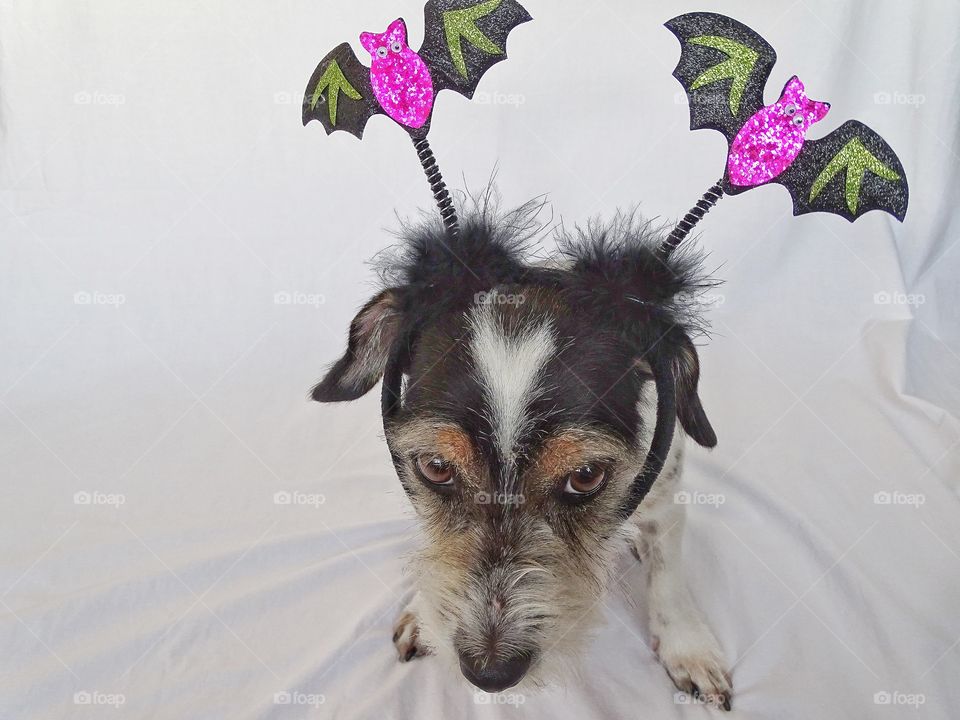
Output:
x=401 y=80
x=771 y=139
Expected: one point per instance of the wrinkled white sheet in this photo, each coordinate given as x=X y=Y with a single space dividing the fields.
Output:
x=160 y=204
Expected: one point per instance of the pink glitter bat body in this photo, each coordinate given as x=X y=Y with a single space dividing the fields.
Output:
x=771 y=139
x=400 y=79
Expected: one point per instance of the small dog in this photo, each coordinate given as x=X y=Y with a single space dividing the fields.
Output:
x=528 y=408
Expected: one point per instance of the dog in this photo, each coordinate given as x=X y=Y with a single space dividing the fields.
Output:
x=529 y=406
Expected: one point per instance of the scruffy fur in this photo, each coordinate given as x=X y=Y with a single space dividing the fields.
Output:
x=522 y=375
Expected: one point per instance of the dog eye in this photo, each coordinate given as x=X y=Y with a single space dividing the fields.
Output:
x=435 y=469
x=381 y=52
x=396 y=46
x=585 y=480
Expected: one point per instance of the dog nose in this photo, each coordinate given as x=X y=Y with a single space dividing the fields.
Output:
x=496 y=675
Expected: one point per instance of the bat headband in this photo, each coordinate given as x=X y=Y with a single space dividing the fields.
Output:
x=724 y=67
x=462 y=40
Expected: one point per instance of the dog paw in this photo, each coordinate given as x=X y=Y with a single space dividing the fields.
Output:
x=694 y=662
x=406 y=637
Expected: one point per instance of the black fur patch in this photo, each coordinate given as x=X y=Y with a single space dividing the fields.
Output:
x=608 y=274
x=616 y=275
x=439 y=275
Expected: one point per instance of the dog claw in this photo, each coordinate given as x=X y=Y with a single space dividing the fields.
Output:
x=406 y=638
x=700 y=674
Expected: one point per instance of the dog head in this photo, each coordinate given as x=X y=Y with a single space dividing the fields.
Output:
x=528 y=408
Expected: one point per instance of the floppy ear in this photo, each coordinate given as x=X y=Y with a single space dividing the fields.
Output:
x=686 y=373
x=373 y=333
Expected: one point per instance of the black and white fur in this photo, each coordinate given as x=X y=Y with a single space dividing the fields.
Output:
x=513 y=374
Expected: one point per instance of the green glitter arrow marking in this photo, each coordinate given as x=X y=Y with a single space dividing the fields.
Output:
x=738 y=65
x=334 y=80
x=857 y=160
x=459 y=24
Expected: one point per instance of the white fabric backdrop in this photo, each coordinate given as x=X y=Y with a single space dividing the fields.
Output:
x=158 y=191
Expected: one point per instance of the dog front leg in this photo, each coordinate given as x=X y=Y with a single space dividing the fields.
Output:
x=681 y=638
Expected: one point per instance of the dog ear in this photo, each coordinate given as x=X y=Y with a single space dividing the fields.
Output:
x=373 y=333
x=686 y=373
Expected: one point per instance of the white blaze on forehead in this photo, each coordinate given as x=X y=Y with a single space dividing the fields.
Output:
x=509 y=364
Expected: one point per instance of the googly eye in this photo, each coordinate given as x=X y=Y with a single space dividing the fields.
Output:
x=790 y=109
x=381 y=52
x=396 y=46
x=798 y=119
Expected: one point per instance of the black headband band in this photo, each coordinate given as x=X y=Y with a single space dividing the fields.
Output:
x=662 y=436
x=390 y=393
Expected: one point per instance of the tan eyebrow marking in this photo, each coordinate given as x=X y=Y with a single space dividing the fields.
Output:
x=559 y=453
x=457 y=447
x=568 y=449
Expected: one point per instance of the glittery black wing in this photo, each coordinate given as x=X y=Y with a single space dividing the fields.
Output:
x=339 y=93
x=849 y=172
x=465 y=38
x=723 y=67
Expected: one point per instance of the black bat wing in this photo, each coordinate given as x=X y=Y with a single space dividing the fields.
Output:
x=848 y=172
x=339 y=93
x=465 y=38
x=723 y=67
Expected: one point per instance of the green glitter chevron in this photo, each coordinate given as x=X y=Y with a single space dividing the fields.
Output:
x=459 y=24
x=334 y=81
x=857 y=160
x=738 y=65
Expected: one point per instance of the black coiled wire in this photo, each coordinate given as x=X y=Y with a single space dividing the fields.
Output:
x=689 y=221
x=439 y=189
